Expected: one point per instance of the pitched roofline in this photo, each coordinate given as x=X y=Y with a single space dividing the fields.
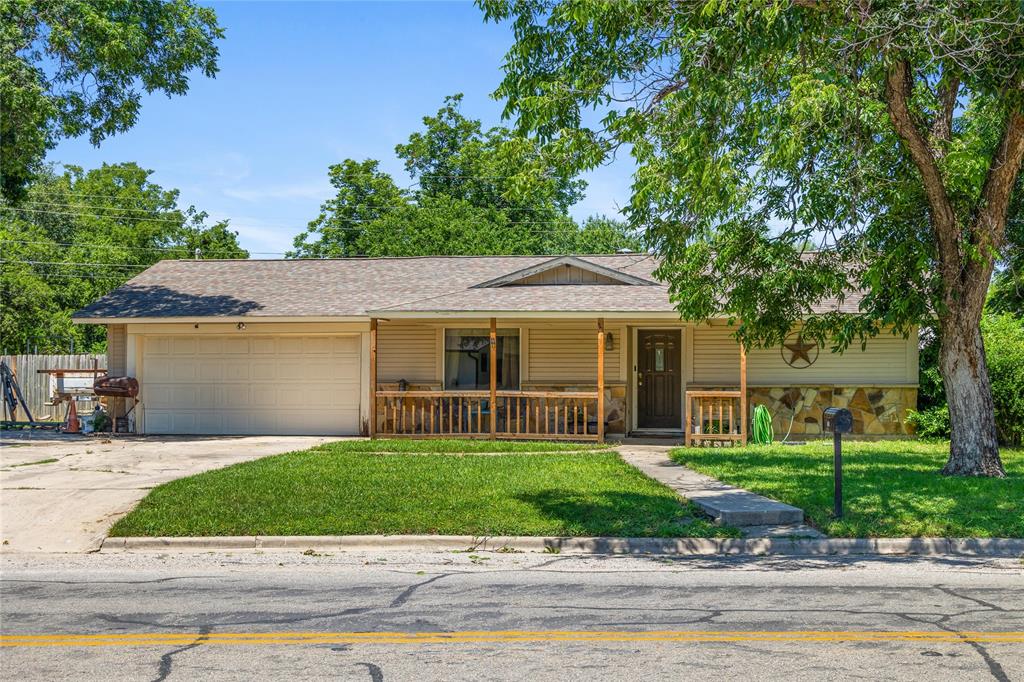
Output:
x=574 y=261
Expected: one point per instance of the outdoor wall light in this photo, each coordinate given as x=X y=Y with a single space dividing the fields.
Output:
x=609 y=341
x=240 y=326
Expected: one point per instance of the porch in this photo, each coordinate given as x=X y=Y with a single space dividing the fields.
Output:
x=498 y=403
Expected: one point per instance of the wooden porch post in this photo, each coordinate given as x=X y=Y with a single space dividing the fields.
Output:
x=600 y=379
x=493 y=371
x=373 y=377
x=743 y=395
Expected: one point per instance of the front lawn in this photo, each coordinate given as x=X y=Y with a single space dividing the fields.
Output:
x=890 y=488
x=333 y=490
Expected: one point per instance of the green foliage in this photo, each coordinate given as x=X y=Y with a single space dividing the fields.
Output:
x=364 y=194
x=761 y=127
x=76 y=236
x=479 y=192
x=75 y=67
x=890 y=488
x=342 y=489
x=930 y=423
x=1004 y=350
x=1007 y=292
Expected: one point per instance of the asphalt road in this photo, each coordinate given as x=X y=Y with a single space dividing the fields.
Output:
x=507 y=617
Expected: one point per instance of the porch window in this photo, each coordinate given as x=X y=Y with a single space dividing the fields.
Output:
x=466 y=361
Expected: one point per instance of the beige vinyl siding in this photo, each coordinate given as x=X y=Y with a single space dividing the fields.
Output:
x=883 y=361
x=716 y=356
x=117 y=349
x=567 y=275
x=886 y=360
x=407 y=351
x=567 y=353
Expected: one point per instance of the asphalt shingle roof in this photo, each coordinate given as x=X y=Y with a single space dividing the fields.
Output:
x=357 y=286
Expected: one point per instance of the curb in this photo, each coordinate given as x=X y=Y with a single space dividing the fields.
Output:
x=976 y=547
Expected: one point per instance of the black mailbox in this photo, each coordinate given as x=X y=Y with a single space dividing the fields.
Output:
x=837 y=420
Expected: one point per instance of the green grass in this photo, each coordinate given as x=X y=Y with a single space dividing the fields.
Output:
x=890 y=488
x=332 y=490
x=454 y=445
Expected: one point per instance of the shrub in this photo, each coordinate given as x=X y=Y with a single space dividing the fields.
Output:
x=1004 y=352
x=930 y=423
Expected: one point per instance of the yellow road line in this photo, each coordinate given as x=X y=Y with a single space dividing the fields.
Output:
x=500 y=636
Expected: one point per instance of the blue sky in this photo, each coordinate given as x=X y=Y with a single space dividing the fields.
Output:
x=303 y=85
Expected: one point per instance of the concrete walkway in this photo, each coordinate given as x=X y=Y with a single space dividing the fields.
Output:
x=62 y=494
x=758 y=516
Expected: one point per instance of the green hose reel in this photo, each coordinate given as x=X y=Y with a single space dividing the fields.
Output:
x=762 y=431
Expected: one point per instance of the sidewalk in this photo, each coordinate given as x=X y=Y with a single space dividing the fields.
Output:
x=758 y=516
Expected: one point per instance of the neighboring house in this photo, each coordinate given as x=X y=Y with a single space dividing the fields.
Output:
x=402 y=346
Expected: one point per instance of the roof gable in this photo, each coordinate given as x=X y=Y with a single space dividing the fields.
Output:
x=565 y=270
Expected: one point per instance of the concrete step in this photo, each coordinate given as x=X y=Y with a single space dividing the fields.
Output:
x=726 y=504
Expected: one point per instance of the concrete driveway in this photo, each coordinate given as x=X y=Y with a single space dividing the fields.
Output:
x=68 y=505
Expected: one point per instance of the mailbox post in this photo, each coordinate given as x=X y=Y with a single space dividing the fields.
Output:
x=838 y=420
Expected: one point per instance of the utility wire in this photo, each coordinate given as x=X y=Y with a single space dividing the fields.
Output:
x=124 y=248
x=83 y=209
x=102 y=265
x=567 y=221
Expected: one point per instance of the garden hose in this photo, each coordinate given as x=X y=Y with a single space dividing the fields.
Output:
x=763 y=433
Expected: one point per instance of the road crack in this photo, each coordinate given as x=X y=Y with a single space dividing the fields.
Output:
x=167 y=660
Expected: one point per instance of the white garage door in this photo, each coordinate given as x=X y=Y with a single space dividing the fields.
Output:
x=251 y=384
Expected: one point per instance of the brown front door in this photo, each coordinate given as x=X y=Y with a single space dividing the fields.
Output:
x=659 y=380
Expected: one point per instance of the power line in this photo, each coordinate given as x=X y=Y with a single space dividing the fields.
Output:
x=105 y=265
x=83 y=208
x=567 y=221
x=125 y=248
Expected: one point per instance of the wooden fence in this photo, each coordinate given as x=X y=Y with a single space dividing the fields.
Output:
x=38 y=388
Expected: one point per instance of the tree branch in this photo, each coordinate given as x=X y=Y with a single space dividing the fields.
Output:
x=989 y=228
x=942 y=128
x=1002 y=174
x=897 y=94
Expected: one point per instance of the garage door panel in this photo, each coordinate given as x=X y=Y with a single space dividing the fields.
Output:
x=183 y=345
x=264 y=396
x=263 y=345
x=158 y=370
x=236 y=397
x=236 y=345
x=210 y=345
x=158 y=345
x=237 y=370
x=263 y=370
x=184 y=369
x=316 y=345
x=289 y=345
x=251 y=384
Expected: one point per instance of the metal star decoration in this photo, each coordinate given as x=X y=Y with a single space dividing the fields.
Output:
x=800 y=351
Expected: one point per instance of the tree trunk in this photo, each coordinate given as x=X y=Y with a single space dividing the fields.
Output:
x=973 y=448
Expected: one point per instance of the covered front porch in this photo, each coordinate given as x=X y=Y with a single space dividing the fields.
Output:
x=509 y=378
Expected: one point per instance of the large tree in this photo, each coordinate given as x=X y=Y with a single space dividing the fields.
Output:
x=363 y=194
x=477 y=192
x=889 y=134
x=78 y=67
x=78 y=235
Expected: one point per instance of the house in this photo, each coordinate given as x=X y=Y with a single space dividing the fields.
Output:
x=506 y=346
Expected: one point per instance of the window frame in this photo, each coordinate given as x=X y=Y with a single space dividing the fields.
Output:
x=444 y=356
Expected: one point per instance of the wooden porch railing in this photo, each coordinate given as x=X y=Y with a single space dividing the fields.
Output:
x=715 y=416
x=517 y=414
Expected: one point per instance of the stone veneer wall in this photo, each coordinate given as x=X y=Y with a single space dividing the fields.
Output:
x=877 y=410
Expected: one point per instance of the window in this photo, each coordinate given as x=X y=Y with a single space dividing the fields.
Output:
x=467 y=364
